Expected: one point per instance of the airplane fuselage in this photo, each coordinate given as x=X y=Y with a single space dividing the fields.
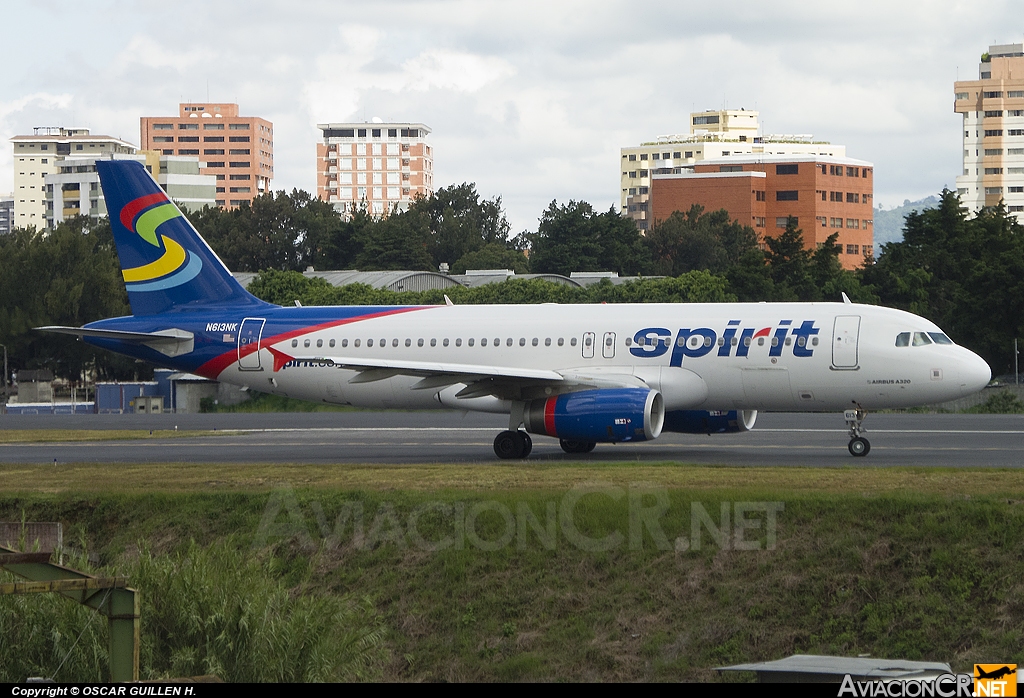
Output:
x=742 y=356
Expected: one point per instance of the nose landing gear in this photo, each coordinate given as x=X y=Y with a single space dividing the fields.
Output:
x=859 y=446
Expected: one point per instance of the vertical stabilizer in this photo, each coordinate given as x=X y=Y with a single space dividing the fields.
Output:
x=166 y=264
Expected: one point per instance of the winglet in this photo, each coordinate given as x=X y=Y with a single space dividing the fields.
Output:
x=447 y=300
x=846 y=299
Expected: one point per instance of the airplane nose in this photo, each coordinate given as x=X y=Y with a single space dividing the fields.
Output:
x=974 y=374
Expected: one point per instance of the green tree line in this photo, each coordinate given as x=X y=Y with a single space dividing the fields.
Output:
x=963 y=272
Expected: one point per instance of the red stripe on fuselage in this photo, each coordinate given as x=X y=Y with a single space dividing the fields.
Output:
x=549 y=416
x=213 y=368
x=135 y=205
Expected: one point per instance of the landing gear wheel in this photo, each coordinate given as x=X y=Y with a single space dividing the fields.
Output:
x=572 y=446
x=859 y=446
x=512 y=444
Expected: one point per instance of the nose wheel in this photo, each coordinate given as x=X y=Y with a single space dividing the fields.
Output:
x=513 y=444
x=859 y=446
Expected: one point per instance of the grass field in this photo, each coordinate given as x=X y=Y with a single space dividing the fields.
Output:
x=18 y=436
x=582 y=571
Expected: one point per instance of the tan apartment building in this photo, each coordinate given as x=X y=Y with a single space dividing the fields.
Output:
x=993 y=126
x=38 y=155
x=237 y=150
x=382 y=166
x=712 y=134
x=826 y=195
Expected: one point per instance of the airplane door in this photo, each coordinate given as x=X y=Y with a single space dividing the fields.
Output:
x=249 y=334
x=588 y=345
x=608 y=347
x=845 y=336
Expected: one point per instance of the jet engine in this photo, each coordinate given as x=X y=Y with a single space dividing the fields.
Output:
x=603 y=415
x=709 y=422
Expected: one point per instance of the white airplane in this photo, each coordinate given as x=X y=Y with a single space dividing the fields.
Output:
x=584 y=374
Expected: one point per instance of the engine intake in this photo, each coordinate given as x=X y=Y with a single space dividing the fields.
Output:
x=605 y=415
x=709 y=422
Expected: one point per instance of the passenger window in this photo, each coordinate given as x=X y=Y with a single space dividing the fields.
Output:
x=721 y=341
x=775 y=341
x=800 y=341
x=319 y=343
x=588 y=341
x=629 y=341
x=547 y=341
x=522 y=341
x=306 y=343
x=419 y=342
x=469 y=342
x=508 y=342
x=433 y=343
x=735 y=341
x=814 y=341
x=707 y=341
x=369 y=342
x=458 y=342
x=535 y=342
x=394 y=342
x=760 y=341
x=356 y=343
x=497 y=341
x=344 y=342
x=572 y=342
x=483 y=342
x=746 y=341
x=561 y=341
x=789 y=340
x=332 y=344
x=295 y=342
x=940 y=338
x=408 y=342
x=445 y=342
x=921 y=339
x=903 y=339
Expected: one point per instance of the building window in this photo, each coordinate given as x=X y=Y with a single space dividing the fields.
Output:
x=1013 y=190
x=236 y=177
x=759 y=221
x=188 y=151
x=1012 y=94
x=643 y=173
x=852 y=249
x=213 y=139
x=689 y=153
x=215 y=164
x=241 y=164
x=789 y=195
x=1015 y=132
x=759 y=195
x=781 y=221
x=213 y=127
x=188 y=139
x=852 y=197
x=853 y=172
x=240 y=190
x=963 y=95
x=644 y=190
x=993 y=170
x=993 y=151
x=822 y=220
x=990 y=191
x=188 y=127
x=702 y=120
x=853 y=223
x=163 y=127
x=821 y=193
x=994 y=114
x=730 y=168
x=632 y=157
x=787 y=169
x=993 y=133
x=238 y=127
x=835 y=222
x=835 y=196
x=836 y=170
x=643 y=156
x=992 y=95
x=213 y=151
x=238 y=139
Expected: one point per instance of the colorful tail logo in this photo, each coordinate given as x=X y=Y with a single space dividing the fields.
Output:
x=176 y=265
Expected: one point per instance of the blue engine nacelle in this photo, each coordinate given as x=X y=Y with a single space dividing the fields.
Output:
x=705 y=422
x=606 y=415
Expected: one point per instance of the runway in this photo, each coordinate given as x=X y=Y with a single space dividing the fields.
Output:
x=800 y=440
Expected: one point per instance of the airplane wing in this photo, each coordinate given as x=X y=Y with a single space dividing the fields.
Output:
x=501 y=381
x=172 y=342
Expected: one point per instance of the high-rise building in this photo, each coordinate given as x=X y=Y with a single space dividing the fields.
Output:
x=826 y=195
x=6 y=214
x=993 y=126
x=75 y=189
x=38 y=155
x=712 y=134
x=237 y=150
x=376 y=165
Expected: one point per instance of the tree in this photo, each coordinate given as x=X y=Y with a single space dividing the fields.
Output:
x=494 y=255
x=460 y=223
x=572 y=238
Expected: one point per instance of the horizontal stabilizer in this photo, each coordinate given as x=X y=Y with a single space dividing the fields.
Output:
x=170 y=342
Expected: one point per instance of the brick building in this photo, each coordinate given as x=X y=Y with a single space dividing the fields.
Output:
x=379 y=165
x=825 y=194
x=238 y=150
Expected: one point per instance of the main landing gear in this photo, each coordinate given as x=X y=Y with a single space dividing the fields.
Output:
x=570 y=446
x=513 y=444
x=859 y=446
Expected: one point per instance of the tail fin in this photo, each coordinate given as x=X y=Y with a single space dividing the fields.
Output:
x=166 y=264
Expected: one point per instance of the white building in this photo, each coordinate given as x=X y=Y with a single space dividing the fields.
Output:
x=713 y=134
x=75 y=189
x=382 y=166
x=6 y=214
x=993 y=131
x=36 y=156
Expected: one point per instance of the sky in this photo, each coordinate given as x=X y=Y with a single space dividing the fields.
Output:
x=529 y=100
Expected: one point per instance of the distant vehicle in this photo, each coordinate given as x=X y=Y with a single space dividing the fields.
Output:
x=584 y=374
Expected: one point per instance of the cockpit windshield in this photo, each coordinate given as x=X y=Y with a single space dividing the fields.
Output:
x=920 y=339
